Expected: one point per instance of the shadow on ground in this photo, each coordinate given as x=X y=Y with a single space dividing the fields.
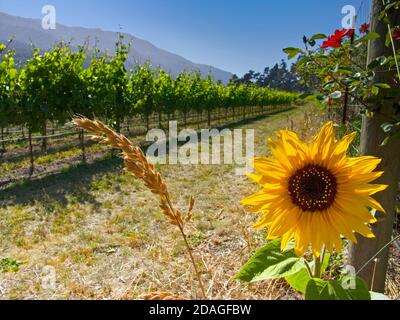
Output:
x=76 y=179
x=72 y=181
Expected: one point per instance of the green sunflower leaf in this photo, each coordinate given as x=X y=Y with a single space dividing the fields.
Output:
x=299 y=280
x=334 y=291
x=356 y=288
x=349 y=288
x=314 y=288
x=270 y=262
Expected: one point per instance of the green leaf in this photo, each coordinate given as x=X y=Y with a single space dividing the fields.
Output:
x=368 y=37
x=349 y=288
x=388 y=38
x=270 y=262
x=312 y=42
x=305 y=95
x=336 y=95
x=319 y=36
x=375 y=90
x=377 y=62
x=378 y=296
x=328 y=84
x=292 y=52
x=387 y=127
x=9 y=265
x=334 y=291
x=383 y=85
x=318 y=289
x=299 y=280
x=385 y=142
x=314 y=288
x=325 y=263
x=355 y=288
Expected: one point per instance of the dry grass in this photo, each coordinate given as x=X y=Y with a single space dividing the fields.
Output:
x=135 y=162
x=102 y=233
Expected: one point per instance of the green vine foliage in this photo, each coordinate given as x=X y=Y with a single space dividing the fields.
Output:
x=54 y=85
x=8 y=83
x=334 y=72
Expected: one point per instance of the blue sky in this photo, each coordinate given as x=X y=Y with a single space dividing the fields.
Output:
x=235 y=35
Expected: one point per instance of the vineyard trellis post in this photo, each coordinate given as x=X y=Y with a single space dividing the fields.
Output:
x=360 y=254
x=44 y=134
x=31 y=157
x=82 y=141
x=3 y=146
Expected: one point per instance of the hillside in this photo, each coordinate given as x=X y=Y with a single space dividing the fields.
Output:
x=29 y=31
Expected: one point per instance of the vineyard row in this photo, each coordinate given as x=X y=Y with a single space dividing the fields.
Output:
x=52 y=86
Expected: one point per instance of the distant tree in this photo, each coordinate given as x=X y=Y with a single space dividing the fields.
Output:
x=277 y=77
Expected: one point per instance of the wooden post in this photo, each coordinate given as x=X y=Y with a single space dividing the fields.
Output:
x=198 y=119
x=118 y=124
x=44 y=133
x=147 y=123
x=3 y=147
x=160 y=120
x=372 y=136
x=32 y=160
x=184 y=118
x=82 y=140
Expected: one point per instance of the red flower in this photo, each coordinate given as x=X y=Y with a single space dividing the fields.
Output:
x=396 y=34
x=335 y=41
x=332 y=42
x=340 y=34
x=364 y=28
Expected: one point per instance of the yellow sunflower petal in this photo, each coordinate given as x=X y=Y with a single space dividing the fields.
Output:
x=323 y=143
x=371 y=202
x=338 y=156
x=362 y=165
x=286 y=239
x=258 y=198
x=371 y=189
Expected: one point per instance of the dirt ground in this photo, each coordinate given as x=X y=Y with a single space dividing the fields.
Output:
x=94 y=232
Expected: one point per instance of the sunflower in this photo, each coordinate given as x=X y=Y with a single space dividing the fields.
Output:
x=313 y=193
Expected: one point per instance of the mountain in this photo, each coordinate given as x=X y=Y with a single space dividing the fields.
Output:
x=29 y=31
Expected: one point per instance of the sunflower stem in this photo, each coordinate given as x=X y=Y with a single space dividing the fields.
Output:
x=317 y=267
x=310 y=273
x=323 y=255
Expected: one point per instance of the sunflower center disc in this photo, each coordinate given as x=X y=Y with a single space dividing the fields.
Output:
x=313 y=188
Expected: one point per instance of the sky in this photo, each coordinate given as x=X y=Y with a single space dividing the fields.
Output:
x=234 y=35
